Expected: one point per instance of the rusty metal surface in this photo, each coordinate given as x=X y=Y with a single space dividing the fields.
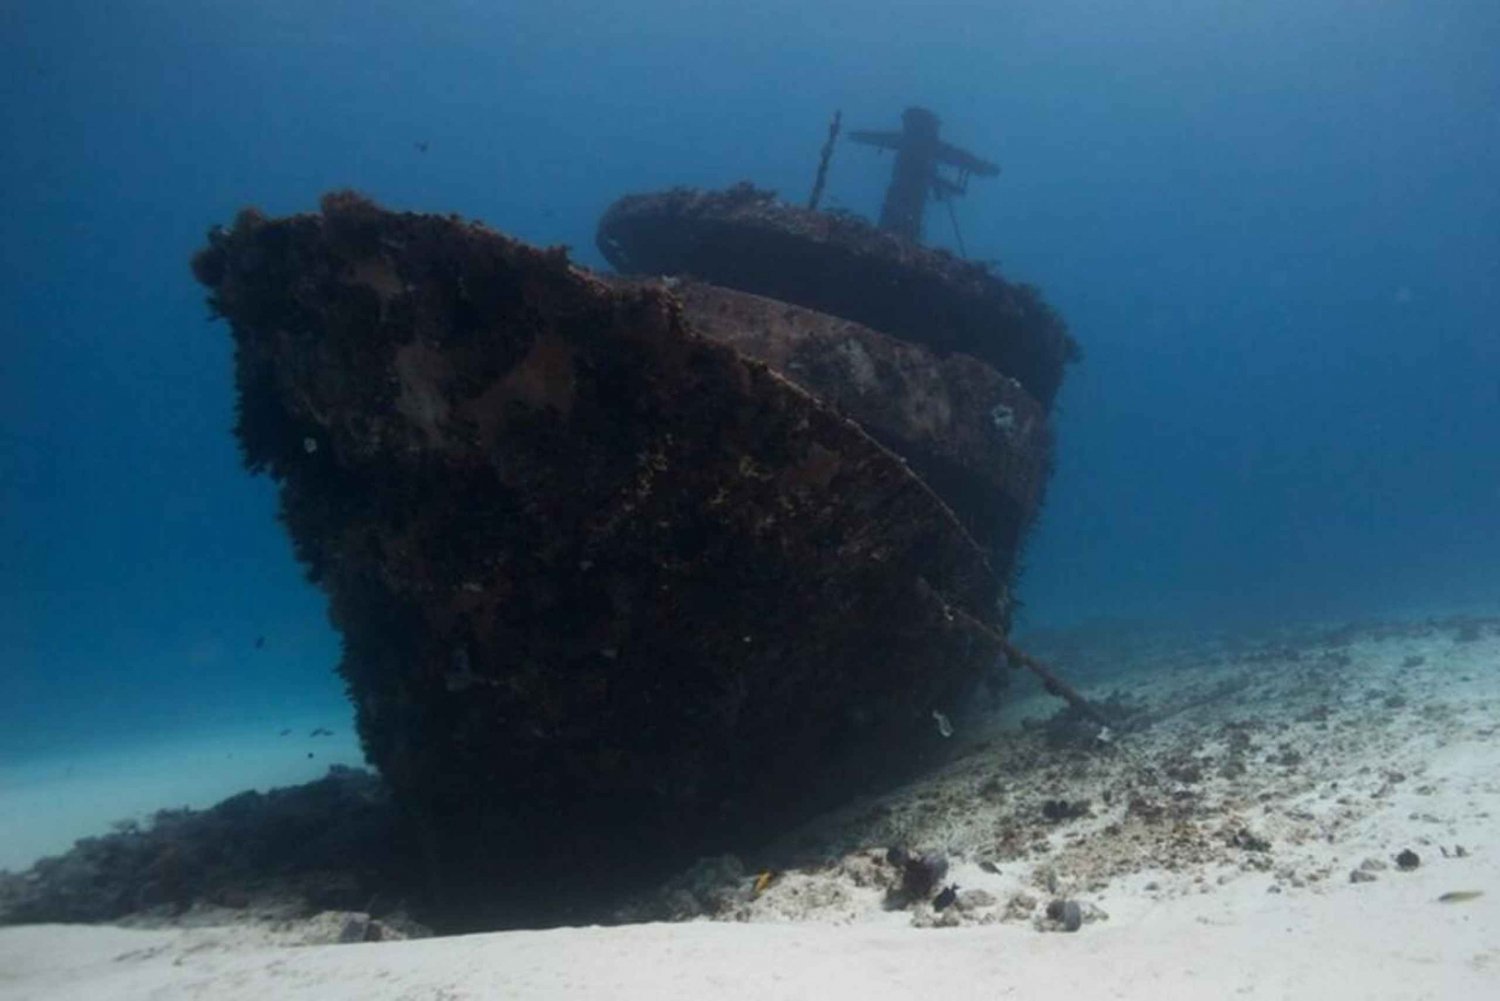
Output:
x=744 y=238
x=975 y=436
x=612 y=593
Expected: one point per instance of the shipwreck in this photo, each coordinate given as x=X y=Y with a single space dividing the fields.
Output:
x=633 y=568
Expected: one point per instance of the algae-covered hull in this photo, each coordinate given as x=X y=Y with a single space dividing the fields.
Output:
x=838 y=264
x=973 y=435
x=612 y=592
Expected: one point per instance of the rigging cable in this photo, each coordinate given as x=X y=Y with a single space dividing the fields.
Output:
x=953 y=217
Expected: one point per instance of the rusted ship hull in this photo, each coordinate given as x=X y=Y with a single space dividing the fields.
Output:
x=613 y=592
x=744 y=238
x=973 y=435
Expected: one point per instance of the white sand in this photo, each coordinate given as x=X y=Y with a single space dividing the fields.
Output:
x=1354 y=754
x=1379 y=941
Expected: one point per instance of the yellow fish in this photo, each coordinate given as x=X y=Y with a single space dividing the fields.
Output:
x=1459 y=896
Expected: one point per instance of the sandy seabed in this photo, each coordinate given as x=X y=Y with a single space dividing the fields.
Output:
x=1242 y=841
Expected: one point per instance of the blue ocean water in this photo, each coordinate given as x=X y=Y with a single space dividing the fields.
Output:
x=1274 y=228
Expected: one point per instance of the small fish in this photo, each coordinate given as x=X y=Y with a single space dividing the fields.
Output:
x=1460 y=896
x=421 y=146
x=764 y=880
x=321 y=731
x=260 y=642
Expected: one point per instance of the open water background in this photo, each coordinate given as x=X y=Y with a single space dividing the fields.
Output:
x=1273 y=226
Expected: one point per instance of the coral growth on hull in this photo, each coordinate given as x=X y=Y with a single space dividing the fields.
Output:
x=612 y=592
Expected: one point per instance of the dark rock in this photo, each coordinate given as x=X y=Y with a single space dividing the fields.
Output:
x=1066 y=914
x=1407 y=860
x=1185 y=769
x=1361 y=876
x=1242 y=837
x=1057 y=810
x=1146 y=809
x=945 y=898
x=920 y=875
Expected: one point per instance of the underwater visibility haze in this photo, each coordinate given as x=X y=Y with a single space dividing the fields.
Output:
x=1271 y=229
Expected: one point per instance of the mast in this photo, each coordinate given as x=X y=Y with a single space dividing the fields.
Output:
x=919 y=153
